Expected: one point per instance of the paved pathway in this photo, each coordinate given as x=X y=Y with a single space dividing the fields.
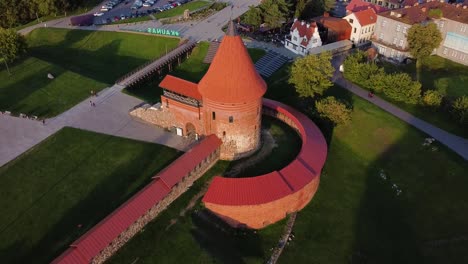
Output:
x=455 y=143
x=109 y=116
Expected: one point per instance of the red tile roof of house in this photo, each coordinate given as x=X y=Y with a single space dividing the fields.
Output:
x=422 y=12
x=275 y=185
x=359 y=5
x=180 y=86
x=339 y=26
x=366 y=17
x=232 y=77
x=100 y=236
x=305 y=30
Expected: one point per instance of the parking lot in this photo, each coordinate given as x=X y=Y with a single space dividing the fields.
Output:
x=124 y=9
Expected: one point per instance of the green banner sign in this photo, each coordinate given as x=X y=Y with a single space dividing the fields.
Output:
x=162 y=31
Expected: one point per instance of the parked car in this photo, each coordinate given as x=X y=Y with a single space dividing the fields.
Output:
x=146 y=4
x=98 y=14
x=105 y=9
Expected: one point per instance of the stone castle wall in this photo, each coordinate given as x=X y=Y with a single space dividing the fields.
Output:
x=176 y=191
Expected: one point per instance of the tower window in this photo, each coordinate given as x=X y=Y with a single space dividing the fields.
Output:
x=231 y=119
x=213 y=115
x=224 y=133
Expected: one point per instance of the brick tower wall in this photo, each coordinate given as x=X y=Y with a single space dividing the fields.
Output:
x=241 y=137
x=259 y=216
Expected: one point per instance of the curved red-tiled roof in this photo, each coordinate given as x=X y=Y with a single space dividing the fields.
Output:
x=232 y=77
x=180 y=86
x=276 y=185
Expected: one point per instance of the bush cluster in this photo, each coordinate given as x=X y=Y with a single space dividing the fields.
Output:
x=333 y=110
x=400 y=86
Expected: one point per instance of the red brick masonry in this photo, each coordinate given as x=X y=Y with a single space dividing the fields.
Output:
x=259 y=201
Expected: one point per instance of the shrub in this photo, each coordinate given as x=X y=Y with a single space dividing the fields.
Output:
x=460 y=109
x=333 y=110
x=432 y=98
x=400 y=87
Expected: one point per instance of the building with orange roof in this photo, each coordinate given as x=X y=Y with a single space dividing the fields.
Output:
x=227 y=102
x=332 y=29
x=363 y=25
x=303 y=37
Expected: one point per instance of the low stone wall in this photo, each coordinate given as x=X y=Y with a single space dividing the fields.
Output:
x=159 y=117
x=176 y=191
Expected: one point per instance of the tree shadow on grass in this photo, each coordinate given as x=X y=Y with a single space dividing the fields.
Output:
x=86 y=213
x=227 y=244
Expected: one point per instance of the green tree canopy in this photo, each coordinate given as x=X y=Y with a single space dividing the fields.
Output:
x=432 y=98
x=314 y=8
x=460 y=110
x=311 y=75
x=422 y=40
x=12 y=44
x=333 y=110
x=271 y=12
x=253 y=16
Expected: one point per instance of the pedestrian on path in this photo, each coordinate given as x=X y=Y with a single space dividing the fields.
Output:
x=43 y=122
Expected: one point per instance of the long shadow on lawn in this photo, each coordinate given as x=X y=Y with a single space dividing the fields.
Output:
x=103 y=65
x=227 y=244
x=390 y=226
x=100 y=202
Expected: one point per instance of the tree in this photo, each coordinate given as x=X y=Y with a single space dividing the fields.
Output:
x=253 y=16
x=300 y=6
x=333 y=110
x=315 y=8
x=311 y=74
x=460 y=109
x=432 y=98
x=12 y=45
x=274 y=12
x=422 y=40
x=400 y=87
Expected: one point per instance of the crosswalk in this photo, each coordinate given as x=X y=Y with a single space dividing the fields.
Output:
x=270 y=63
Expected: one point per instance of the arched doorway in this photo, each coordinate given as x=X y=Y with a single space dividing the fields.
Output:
x=190 y=130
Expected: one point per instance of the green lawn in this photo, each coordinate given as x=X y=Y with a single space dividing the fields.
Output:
x=73 y=178
x=177 y=11
x=442 y=75
x=80 y=60
x=356 y=216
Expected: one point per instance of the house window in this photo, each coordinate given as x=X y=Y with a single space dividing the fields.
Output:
x=405 y=29
x=401 y=42
x=398 y=55
x=231 y=119
x=295 y=38
x=441 y=24
x=354 y=30
x=384 y=23
x=362 y=31
x=395 y=41
x=351 y=20
x=213 y=115
x=372 y=28
x=445 y=51
x=392 y=53
x=224 y=133
x=463 y=28
x=398 y=27
x=381 y=36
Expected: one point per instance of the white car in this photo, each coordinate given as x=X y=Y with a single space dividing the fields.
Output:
x=146 y=4
x=98 y=14
x=105 y=9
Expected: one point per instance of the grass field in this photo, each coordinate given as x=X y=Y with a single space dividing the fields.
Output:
x=448 y=77
x=192 y=70
x=80 y=60
x=356 y=216
x=73 y=178
x=178 y=11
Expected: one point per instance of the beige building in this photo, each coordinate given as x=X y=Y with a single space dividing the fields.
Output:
x=363 y=25
x=452 y=20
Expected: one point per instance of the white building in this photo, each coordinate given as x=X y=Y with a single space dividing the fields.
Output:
x=363 y=25
x=303 y=36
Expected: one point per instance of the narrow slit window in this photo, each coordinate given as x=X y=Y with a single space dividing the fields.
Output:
x=213 y=115
x=231 y=119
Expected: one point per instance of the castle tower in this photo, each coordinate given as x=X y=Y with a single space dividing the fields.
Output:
x=232 y=93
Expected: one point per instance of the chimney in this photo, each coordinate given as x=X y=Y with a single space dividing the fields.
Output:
x=464 y=7
x=326 y=14
x=302 y=22
x=458 y=5
x=295 y=19
x=416 y=4
x=308 y=25
x=424 y=9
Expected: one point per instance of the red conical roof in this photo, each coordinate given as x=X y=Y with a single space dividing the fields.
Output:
x=232 y=77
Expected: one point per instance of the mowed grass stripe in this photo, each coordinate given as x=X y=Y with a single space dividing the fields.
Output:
x=79 y=60
x=73 y=178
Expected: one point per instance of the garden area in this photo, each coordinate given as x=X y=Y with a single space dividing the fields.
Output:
x=56 y=191
x=434 y=99
x=79 y=60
